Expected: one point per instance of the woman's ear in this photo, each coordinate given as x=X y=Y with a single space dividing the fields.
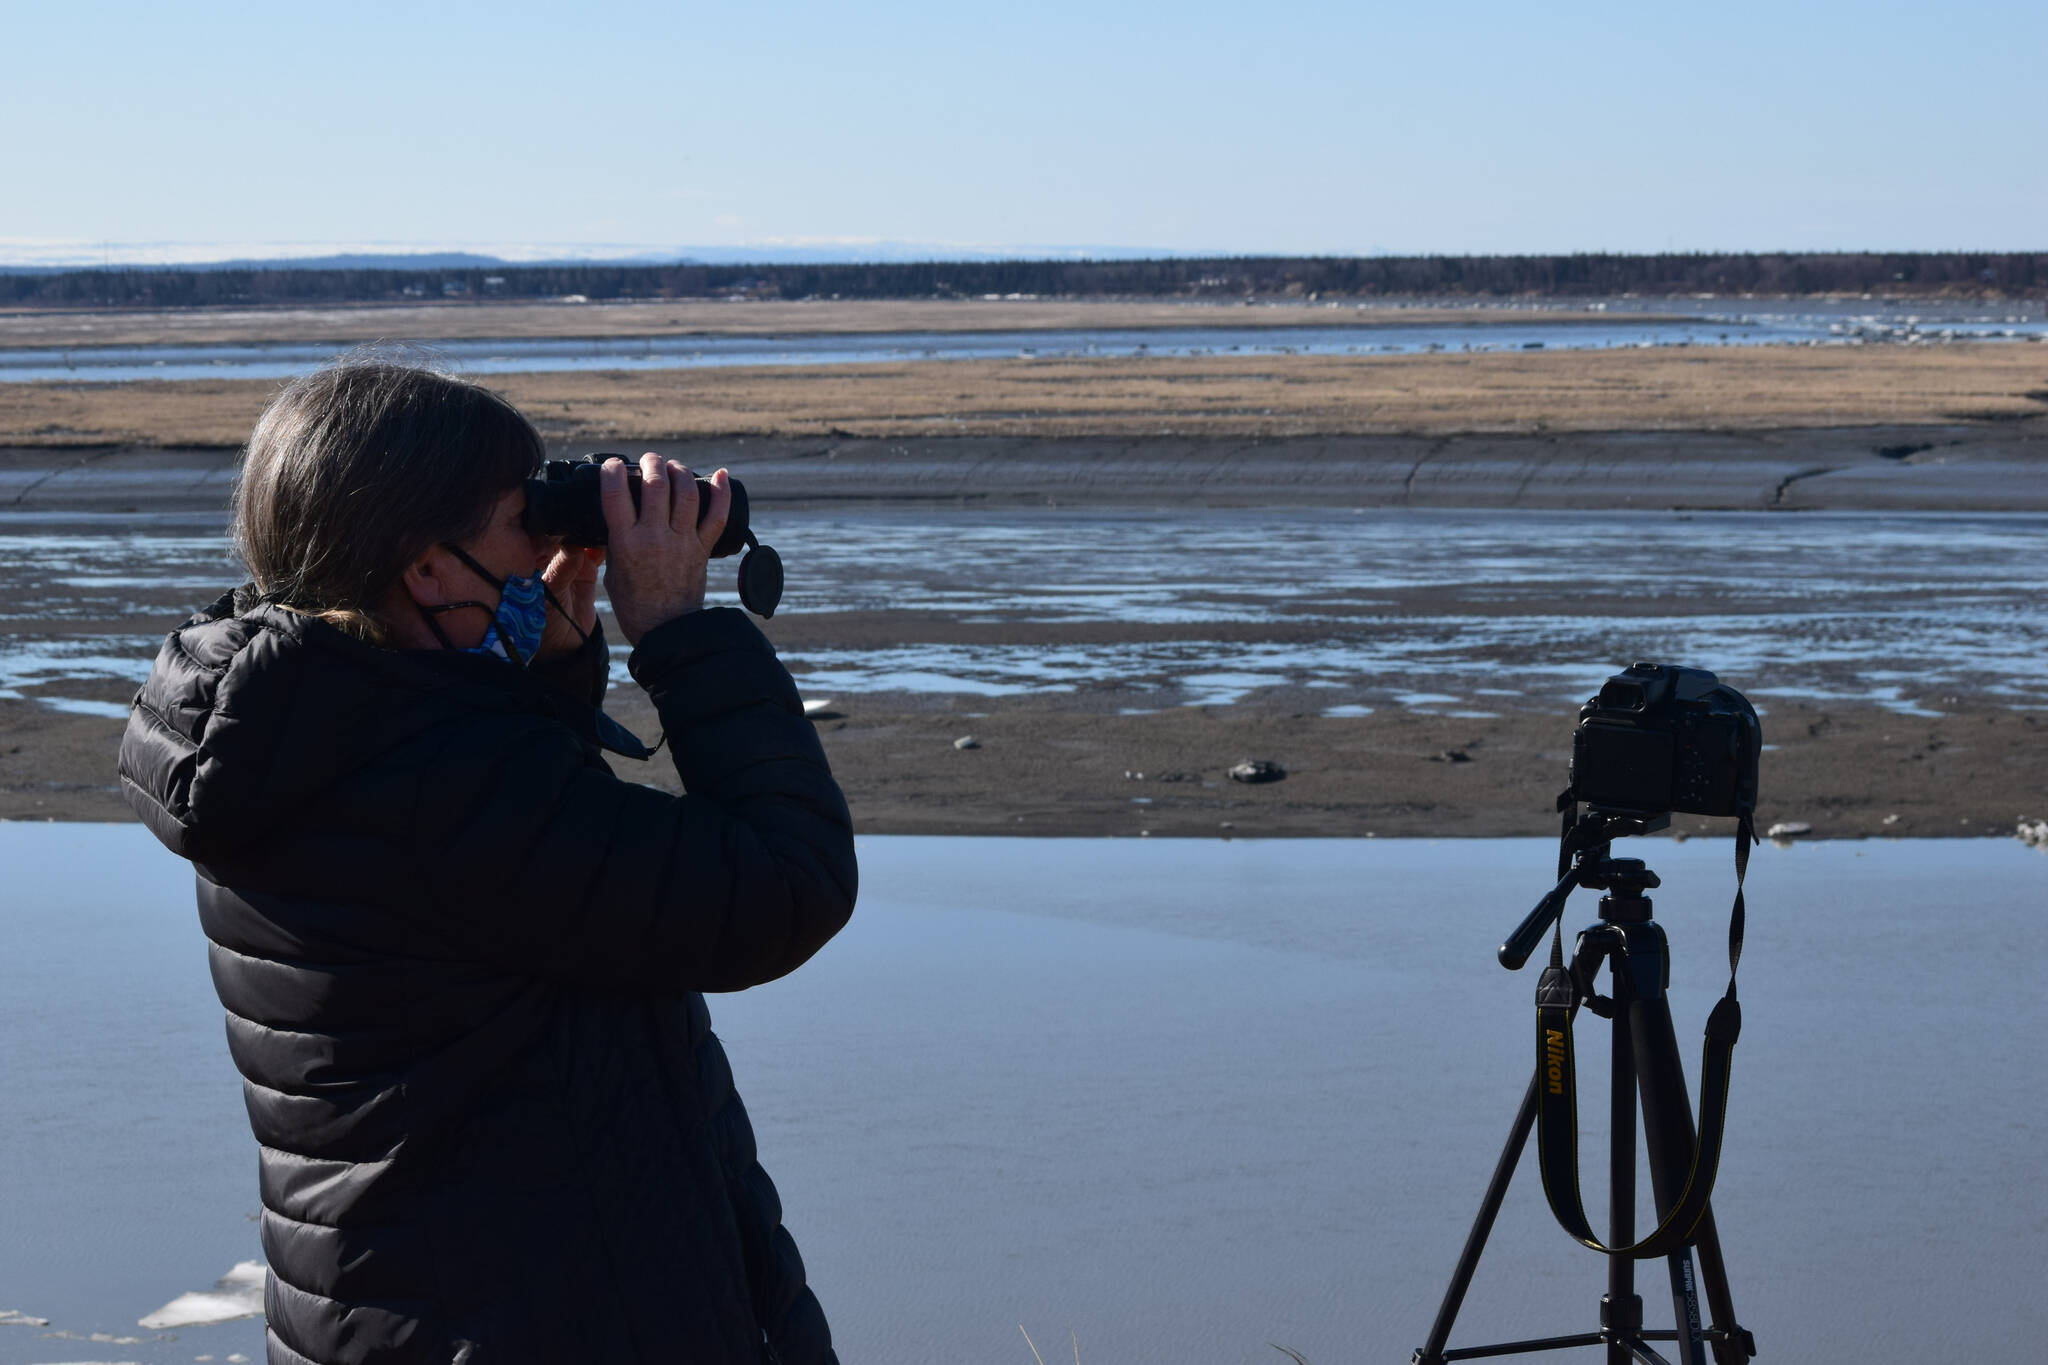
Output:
x=427 y=581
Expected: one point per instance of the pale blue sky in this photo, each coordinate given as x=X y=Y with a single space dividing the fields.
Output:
x=1276 y=126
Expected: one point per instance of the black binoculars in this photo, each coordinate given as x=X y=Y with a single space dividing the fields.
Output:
x=566 y=500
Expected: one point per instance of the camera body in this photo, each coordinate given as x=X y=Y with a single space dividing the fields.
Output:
x=565 y=500
x=1660 y=739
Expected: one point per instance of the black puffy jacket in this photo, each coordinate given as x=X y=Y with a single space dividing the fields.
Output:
x=461 y=962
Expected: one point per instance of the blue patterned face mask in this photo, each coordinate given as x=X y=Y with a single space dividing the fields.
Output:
x=517 y=624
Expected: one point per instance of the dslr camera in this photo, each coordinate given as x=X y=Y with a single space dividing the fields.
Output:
x=1660 y=740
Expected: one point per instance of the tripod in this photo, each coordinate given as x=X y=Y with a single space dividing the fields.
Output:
x=1645 y=1060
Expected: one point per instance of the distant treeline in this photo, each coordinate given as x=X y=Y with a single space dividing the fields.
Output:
x=1955 y=274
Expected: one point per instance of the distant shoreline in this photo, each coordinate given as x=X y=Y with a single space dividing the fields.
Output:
x=1933 y=275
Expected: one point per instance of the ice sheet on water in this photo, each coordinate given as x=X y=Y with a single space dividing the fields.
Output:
x=237 y=1294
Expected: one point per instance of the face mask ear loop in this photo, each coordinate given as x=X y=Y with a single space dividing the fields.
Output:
x=435 y=626
x=556 y=603
x=427 y=613
x=479 y=570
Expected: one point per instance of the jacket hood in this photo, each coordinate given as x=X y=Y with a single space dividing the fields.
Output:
x=252 y=711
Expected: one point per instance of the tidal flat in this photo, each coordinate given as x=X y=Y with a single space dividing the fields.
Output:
x=1395 y=575
x=1414 y=671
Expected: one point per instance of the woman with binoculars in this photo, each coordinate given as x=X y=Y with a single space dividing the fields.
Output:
x=463 y=962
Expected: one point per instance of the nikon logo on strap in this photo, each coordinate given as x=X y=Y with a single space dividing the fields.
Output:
x=1553 y=1060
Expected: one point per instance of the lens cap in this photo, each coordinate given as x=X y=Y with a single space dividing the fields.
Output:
x=761 y=581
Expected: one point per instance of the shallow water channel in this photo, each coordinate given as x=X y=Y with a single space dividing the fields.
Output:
x=1355 y=335
x=1341 y=611
x=1180 y=1100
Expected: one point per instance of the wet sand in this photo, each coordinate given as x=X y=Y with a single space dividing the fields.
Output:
x=1957 y=466
x=1058 y=767
x=1043 y=771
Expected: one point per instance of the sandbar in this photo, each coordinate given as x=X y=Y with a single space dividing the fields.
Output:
x=1677 y=388
x=484 y=320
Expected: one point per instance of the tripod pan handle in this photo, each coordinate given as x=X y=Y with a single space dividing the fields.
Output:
x=1529 y=933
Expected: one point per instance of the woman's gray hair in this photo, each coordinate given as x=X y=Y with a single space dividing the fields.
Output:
x=355 y=470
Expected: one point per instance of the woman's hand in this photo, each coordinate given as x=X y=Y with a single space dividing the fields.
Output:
x=572 y=577
x=655 y=571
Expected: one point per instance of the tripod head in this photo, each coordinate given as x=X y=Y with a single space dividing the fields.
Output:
x=1585 y=847
x=1626 y=877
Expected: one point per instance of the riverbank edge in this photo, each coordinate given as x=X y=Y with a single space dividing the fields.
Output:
x=1973 y=467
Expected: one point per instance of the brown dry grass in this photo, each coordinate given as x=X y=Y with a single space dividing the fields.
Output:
x=79 y=328
x=1673 y=389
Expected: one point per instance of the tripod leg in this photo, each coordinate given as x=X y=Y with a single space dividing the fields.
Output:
x=1621 y=1312
x=1685 y=1306
x=1669 y=1134
x=1736 y=1346
x=1432 y=1352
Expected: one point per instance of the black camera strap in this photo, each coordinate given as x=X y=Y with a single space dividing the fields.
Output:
x=1557 y=1114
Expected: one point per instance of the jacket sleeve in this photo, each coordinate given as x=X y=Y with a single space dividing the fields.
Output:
x=540 y=861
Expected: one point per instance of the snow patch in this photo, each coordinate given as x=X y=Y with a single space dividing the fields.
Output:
x=238 y=1294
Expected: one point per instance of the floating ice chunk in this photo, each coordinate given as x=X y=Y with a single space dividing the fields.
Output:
x=238 y=1294
x=14 y=1317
